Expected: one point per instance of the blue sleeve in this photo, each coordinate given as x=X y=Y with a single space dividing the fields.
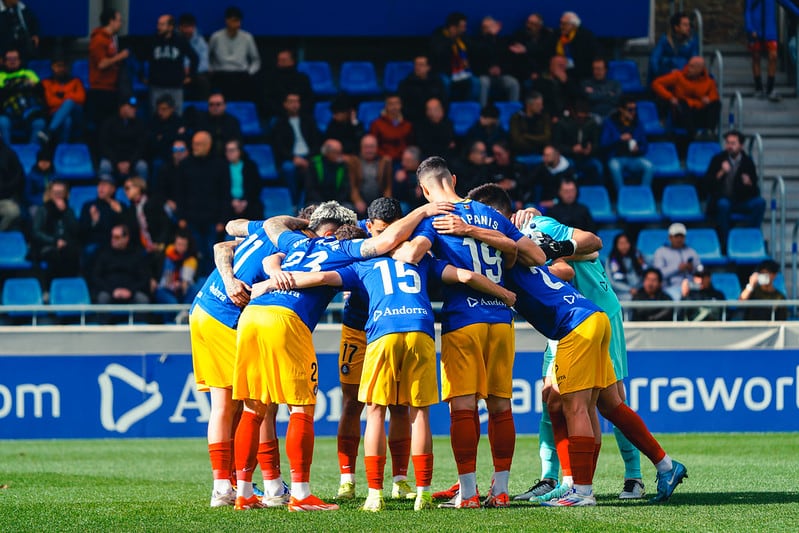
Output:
x=352 y=248
x=510 y=230
x=254 y=225
x=435 y=267
x=349 y=278
x=287 y=239
x=425 y=229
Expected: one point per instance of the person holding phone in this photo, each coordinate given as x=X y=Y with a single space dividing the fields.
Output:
x=676 y=261
x=761 y=287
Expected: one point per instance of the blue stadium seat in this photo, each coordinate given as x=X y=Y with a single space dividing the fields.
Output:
x=121 y=197
x=626 y=73
x=699 y=156
x=648 y=115
x=320 y=75
x=69 y=291
x=394 y=73
x=248 y=117
x=277 y=201
x=463 y=116
x=607 y=236
x=80 y=69
x=779 y=284
x=706 y=243
x=596 y=198
x=41 y=67
x=323 y=115
x=80 y=195
x=368 y=112
x=262 y=156
x=727 y=283
x=22 y=291
x=506 y=110
x=26 y=154
x=681 y=204
x=746 y=246
x=198 y=105
x=665 y=160
x=13 y=250
x=649 y=240
x=529 y=160
x=73 y=162
x=636 y=203
x=359 y=78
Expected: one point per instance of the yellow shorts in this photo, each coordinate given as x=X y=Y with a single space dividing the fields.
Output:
x=583 y=358
x=351 y=353
x=275 y=358
x=478 y=359
x=213 y=351
x=400 y=369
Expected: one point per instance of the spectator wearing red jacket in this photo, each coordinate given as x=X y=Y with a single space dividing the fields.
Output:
x=65 y=96
x=692 y=94
x=105 y=61
x=394 y=133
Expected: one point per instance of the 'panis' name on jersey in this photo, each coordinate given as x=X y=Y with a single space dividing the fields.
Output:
x=480 y=220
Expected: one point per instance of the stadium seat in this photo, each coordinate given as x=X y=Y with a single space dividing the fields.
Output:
x=248 y=118
x=22 y=291
x=320 y=75
x=746 y=246
x=596 y=198
x=681 y=204
x=359 y=78
x=506 y=110
x=648 y=115
x=368 y=112
x=706 y=243
x=121 y=197
x=26 y=154
x=80 y=69
x=198 y=105
x=607 y=236
x=262 y=156
x=73 y=162
x=699 y=156
x=323 y=115
x=80 y=195
x=665 y=160
x=636 y=203
x=727 y=283
x=69 y=291
x=13 y=250
x=779 y=284
x=529 y=160
x=650 y=240
x=394 y=73
x=463 y=116
x=626 y=73
x=41 y=67
x=277 y=201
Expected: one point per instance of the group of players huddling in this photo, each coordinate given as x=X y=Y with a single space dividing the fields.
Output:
x=251 y=333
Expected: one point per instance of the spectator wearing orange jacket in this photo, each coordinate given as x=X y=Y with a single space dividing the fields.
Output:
x=65 y=97
x=394 y=133
x=693 y=96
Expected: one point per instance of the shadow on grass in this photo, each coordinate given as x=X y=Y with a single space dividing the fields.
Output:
x=709 y=498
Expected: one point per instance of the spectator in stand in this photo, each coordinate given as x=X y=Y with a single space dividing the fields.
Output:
x=701 y=288
x=219 y=123
x=19 y=29
x=510 y=175
x=394 y=133
x=674 y=48
x=245 y=183
x=169 y=57
x=177 y=279
x=12 y=186
x=577 y=44
x=568 y=211
x=405 y=185
x=105 y=63
x=233 y=58
x=693 y=96
x=576 y=136
x=419 y=87
x=547 y=176
x=761 y=287
x=450 y=54
x=120 y=275
x=532 y=46
x=625 y=267
x=487 y=128
x=98 y=216
x=435 y=134
x=651 y=291
x=558 y=87
x=39 y=177
x=530 y=128
x=285 y=79
x=56 y=234
x=602 y=93
x=370 y=175
x=677 y=261
x=328 y=178
x=761 y=28
x=472 y=171
x=295 y=139
x=732 y=185
x=145 y=218
x=200 y=85
x=491 y=62
x=65 y=96
x=624 y=142
x=123 y=143
x=165 y=184
x=164 y=128
x=21 y=101
x=344 y=125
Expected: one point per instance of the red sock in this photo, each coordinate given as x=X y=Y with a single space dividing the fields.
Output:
x=477 y=424
x=220 y=459
x=299 y=446
x=597 y=447
x=502 y=436
x=423 y=469
x=247 y=434
x=636 y=432
x=581 y=454
x=400 y=455
x=561 y=434
x=231 y=465
x=347 y=453
x=269 y=459
x=464 y=440
x=375 y=470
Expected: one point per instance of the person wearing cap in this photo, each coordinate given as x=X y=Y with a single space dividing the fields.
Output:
x=676 y=261
x=701 y=288
x=123 y=142
x=761 y=287
x=99 y=215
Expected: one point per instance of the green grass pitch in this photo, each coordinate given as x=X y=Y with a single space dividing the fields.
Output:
x=738 y=482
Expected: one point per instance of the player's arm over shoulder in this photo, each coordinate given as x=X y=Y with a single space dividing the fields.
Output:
x=478 y=282
x=561 y=269
x=275 y=226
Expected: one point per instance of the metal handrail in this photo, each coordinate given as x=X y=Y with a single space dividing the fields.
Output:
x=700 y=32
x=794 y=261
x=778 y=187
x=718 y=61
x=756 y=145
x=736 y=100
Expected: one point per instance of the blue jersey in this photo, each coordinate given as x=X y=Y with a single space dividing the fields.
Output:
x=462 y=304
x=356 y=308
x=247 y=267
x=304 y=254
x=552 y=306
x=398 y=300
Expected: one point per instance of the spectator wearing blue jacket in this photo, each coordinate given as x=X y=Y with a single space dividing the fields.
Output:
x=761 y=29
x=623 y=139
x=674 y=49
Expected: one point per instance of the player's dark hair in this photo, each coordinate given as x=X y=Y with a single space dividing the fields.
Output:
x=657 y=272
x=492 y=195
x=348 y=232
x=434 y=167
x=307 y=211
x=386 y=209
x=107 y=15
